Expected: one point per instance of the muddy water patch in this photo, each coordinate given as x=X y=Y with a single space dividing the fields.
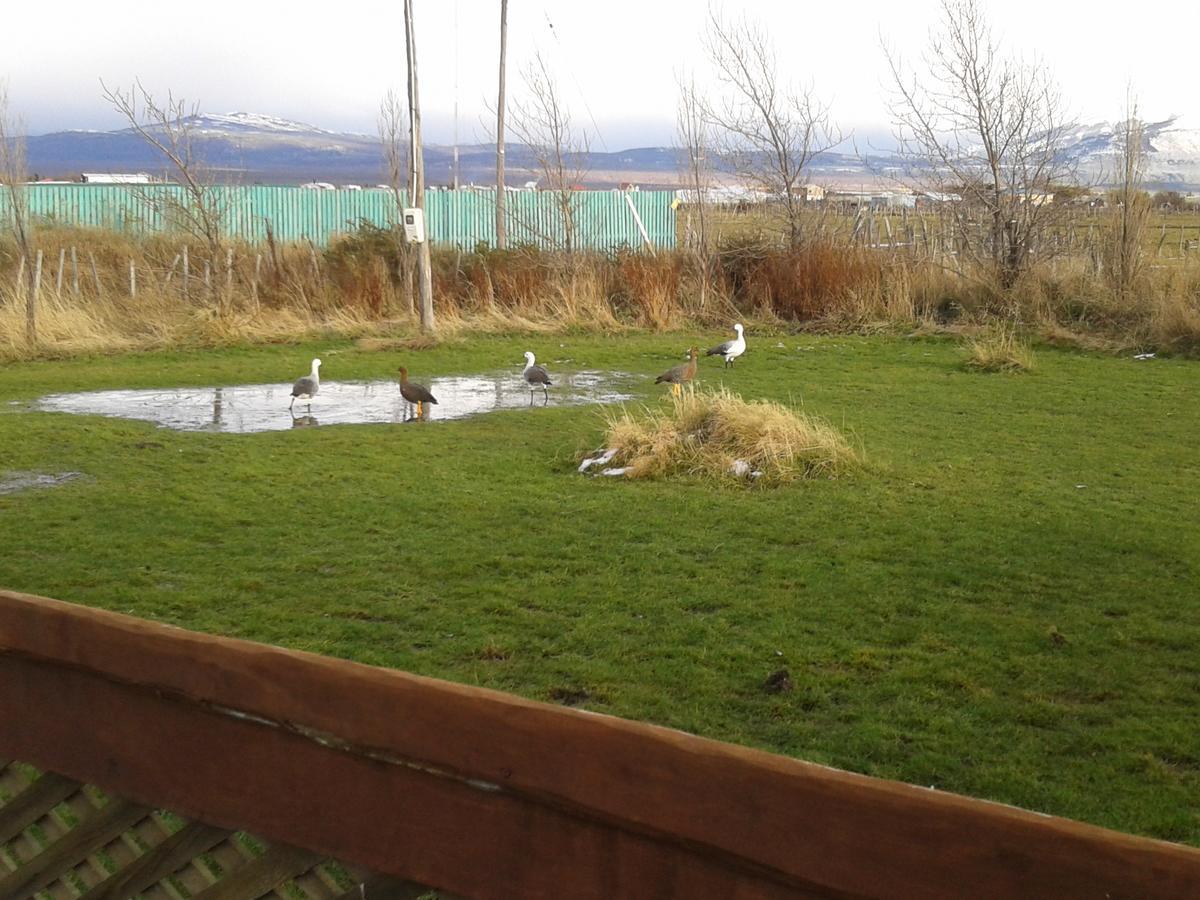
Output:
x=264 y=407
x=12 y=482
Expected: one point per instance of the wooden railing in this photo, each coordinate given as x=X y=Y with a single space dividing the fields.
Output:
x=488 y=795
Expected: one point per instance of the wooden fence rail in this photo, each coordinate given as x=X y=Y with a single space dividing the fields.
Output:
x=489 y=795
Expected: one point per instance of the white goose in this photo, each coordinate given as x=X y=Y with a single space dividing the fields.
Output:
x=731 y=350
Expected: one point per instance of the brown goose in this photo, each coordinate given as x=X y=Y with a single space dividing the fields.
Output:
x=414 y=393
x=680 y=375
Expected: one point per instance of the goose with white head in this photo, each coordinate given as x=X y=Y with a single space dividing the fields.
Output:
x=306 y=386
x=731 y=350
x=535 y=376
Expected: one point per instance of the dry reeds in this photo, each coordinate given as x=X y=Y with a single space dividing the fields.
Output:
x=104 y=290
x=719 y=435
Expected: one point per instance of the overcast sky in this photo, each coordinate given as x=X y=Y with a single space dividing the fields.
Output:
x=329 y=63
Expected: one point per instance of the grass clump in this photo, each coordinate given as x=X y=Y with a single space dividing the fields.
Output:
x=719 y=435
x=999 y=349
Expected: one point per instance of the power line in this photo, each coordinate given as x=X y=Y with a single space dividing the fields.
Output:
x=578 y=86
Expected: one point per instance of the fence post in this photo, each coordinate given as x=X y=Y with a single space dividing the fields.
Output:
x=62 y=262
x=229 y=272
x=31 y=304
x=95 y=274
x=186 y=272
x=132 y=280
x=254 y=283
x=74 y=271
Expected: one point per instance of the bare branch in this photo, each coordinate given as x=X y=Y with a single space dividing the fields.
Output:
x=769 y=133
x=170 y=127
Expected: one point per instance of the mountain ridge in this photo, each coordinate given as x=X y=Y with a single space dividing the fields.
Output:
x=260 y=148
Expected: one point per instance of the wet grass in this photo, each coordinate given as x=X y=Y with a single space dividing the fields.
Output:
x=1004 y=601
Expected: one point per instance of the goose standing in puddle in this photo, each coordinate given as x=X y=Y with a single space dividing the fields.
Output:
x=414 y=393
x=306 y=386
x=534 y=376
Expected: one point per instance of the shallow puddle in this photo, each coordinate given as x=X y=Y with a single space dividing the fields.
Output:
x=264 y=407
x=11 y=482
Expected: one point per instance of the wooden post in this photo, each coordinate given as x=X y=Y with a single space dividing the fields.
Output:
x=171 y=271
x=31 y=302
x=74 y=271
x=254 y=283
x=95 y=274
x=501 y=197
x=229 y=274
x=62 y=264
x=20 y=275
x=186 y=272
x=207 y=282
x=132 y=280
x=417 y=152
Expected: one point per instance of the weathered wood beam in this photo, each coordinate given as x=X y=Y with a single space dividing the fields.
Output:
x=489 y=795
x=158 y=862
x=88 y=836
x=32 y=803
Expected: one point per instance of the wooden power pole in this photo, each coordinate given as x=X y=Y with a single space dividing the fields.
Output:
x=501 y=233
x=417 y=176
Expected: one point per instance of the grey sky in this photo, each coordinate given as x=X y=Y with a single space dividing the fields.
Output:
x=329 y=64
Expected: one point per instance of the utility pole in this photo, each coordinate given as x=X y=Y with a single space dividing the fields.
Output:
x=417 y=176
x=501 y=234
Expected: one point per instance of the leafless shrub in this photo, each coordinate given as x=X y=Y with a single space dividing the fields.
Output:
x=989 y=129
x=541 y=121
x=170 y=127
x=769 y=132
x=13 y=176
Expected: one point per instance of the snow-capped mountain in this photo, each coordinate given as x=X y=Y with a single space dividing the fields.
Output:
x=251 y=147
x=1172 y=152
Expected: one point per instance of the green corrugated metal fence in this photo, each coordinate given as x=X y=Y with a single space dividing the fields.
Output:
x=464 y=217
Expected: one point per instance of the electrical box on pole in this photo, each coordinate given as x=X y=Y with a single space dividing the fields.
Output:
x=414 y=225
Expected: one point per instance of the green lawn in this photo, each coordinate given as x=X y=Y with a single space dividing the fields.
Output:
x=1004 y=603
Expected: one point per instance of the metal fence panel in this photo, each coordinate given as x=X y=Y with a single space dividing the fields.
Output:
x=464 y=218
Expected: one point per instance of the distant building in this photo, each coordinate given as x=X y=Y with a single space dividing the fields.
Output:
x=115 y=178
x=628 y=186
x=318 y=186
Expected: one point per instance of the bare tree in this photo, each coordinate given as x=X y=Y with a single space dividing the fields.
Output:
x=769 y=132
x=13 y=175
x=990 y=130
x=170 y=127
x=1131 y=207
x=417 y=158
x=695 y=140
x=396 y=161
x=501 y=197
x=543 y=124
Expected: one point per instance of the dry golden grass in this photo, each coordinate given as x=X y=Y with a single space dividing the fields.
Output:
x=999 y=349
x=705 y=433
x=357 y=287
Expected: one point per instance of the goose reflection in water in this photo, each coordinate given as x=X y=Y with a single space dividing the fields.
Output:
x=304 y=421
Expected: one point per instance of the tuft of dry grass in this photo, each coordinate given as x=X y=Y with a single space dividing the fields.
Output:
x=705 y=433
x=999 y=349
